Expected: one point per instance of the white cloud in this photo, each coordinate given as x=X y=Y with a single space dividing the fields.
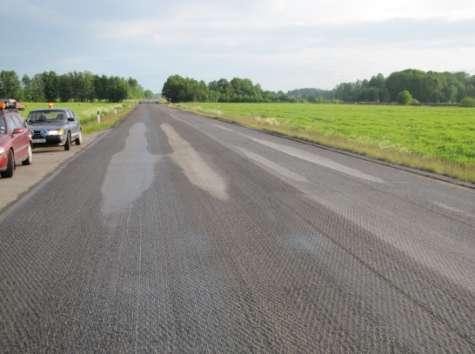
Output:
x=280 y=43
x=309 y=12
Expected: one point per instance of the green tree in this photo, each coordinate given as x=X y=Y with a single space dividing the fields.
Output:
x=451 y=94
x=405 y=97
x=180 y=89
x=10 y=86
x=116 y=89
x=410 y=80
x=173 y=88
x=220 y=90
x=306 y=95
x=50 y=85
x=148 y=94
x=101 y=86
x=36 y=89
x=468 y=102
x=65 y=87
x=26 y=86
x=134 y=90
x=470 y=86
x=83 y=86
x=77 y=86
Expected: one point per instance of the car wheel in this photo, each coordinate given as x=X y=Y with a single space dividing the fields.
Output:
x=29 y=159
x=79 y=139
x=10 y=166
x=67 y=144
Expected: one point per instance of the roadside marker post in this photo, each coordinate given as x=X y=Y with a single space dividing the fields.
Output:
x=98 y=117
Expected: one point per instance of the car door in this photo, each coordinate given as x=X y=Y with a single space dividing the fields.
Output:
x=24 y=137
x=14 y=138
x=75 y=123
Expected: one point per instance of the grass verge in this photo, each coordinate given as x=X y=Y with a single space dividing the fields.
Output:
x=438 y=140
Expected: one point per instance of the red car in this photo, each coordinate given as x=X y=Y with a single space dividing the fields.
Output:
x=15 y=139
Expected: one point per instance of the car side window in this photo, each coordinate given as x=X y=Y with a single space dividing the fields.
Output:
x=10 y=124
x=19 y=121
x=3 y=127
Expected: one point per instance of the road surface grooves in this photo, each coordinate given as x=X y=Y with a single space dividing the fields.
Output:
x=177 y=233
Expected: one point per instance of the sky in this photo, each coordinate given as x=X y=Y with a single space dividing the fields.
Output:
x=281 y=44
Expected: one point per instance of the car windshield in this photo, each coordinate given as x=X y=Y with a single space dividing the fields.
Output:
x=3 y=128
x=46 y=116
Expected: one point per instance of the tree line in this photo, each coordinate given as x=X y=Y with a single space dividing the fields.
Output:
x=404 y=87
x=72 y=86
x=413 y=86
x=183 y=89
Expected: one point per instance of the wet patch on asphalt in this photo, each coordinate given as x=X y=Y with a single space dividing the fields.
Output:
x=195 y=168
x=133 y=168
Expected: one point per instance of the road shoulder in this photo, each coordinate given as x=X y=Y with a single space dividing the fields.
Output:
x=45 y=162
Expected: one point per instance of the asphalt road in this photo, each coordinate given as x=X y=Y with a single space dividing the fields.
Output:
x=176 y=233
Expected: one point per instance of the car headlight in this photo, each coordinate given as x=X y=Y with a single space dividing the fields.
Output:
x=2 y=150
x=56 y=132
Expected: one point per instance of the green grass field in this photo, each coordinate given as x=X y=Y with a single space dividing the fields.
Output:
x=436 y=139
x=111 y=113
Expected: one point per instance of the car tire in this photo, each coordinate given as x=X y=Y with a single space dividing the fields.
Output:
x=67 y=144
x=29 y=159
x=8 y=173
x=79 y=139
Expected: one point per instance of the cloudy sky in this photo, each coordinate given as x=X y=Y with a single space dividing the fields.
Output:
x=282 y=44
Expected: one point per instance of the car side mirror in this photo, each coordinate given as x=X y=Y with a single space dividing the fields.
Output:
x=18 y=131
x=70 y=119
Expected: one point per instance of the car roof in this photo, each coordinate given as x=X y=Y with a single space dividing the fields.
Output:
x=4 y=112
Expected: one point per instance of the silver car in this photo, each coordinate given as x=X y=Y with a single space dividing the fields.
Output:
x=54 y=127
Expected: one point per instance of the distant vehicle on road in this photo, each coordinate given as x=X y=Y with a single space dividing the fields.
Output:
x=54 y=127
x=15 y=139
x=149 y=102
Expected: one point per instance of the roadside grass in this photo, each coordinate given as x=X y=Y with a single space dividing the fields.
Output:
x=111 y=113
x=435 y=139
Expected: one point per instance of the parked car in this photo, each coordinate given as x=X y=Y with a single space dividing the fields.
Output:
x=15 y=139
x=54 y=127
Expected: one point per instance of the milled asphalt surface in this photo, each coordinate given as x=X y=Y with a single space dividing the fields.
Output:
x=177 y=233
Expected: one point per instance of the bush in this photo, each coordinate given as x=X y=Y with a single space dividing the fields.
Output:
x=468 y=102
x=404 y=97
